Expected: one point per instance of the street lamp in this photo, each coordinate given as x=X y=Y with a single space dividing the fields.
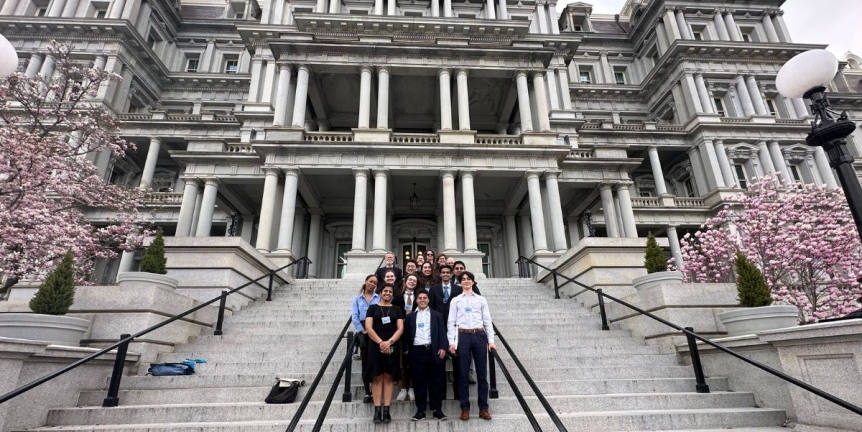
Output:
x=806 y=76
x=8 y=58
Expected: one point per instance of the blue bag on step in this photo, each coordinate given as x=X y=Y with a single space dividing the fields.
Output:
x=170 y=369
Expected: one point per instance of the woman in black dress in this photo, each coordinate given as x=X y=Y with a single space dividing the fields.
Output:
x=384 y=324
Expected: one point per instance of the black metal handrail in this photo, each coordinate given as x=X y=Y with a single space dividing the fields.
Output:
x=550 y=410
x=692 y=337
x=294 y=422
x=347 y=397
x=112 y=400
x=516 y=391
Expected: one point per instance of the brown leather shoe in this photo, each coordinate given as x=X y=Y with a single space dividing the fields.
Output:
x=465 y=414
x=484 y=414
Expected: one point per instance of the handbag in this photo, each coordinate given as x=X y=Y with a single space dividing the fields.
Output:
x=283 y=392
x=170 y=369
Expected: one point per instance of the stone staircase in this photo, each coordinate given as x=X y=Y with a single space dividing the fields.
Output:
x=595 y=380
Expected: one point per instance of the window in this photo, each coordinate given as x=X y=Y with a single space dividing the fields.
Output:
x=697 y=35
x=151 y=41
x=231 y=65
x=770 y=106
x=719 y=107
x=239 y=15
x=688 y=185
x=485 y=248
x=620 y=77
x=101 y=13
x=741 y=178
x=794 y=172
x=747 y=34
x=192 y=64
x=586 y=77
x=42 y=11
x=340 y=260
x=579 y=28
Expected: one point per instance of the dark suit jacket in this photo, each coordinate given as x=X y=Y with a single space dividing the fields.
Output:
x=439 y=341
x=399 y=301
x=399 y=277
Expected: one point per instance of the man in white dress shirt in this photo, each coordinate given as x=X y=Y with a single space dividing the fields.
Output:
x=471 y=335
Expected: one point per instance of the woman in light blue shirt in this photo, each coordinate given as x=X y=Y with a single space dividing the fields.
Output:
x=358 y=309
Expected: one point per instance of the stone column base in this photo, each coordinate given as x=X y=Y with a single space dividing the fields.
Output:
x=361 y=264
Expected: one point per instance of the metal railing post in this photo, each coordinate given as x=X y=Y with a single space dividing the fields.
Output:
x=556 y=285
x=220 y=321
x=520 y=263
x=602 y=310
x=348 y=392
x=113 y=399
x=492 y=375
x=700 y=386
x=269 y=288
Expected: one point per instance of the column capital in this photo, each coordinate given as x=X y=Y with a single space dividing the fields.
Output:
x=291 y=171
x=551 y=175
x=531 y=174
x=99 y=56
x=384 y=69
x=603 y=54
x=525 y=73
x=366 y=68
x=669 y=227
x=360 y=172
x=718 y=141
x=448 y=172
x=467 y=172
x=271 y=171
x=692 y=149
x=443 y=71
x=301 y=67
x=381 y=172
x=191 y=180
x=462 y=71
x=537 y=74
x=211 y=181
x=155 y=139
x=606 y=186
x=624 y=185
x=285 y=66
x=760 y=143
x=653 y=149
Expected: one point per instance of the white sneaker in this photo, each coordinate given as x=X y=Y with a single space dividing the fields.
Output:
x=402 y=395
x=411 y=395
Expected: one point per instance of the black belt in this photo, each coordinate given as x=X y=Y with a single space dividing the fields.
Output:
x=422 y=347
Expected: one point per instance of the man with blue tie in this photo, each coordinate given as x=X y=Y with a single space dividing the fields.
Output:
x=425 y=343
x=439 y=296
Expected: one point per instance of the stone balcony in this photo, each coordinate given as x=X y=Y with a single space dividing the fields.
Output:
x=388 y=136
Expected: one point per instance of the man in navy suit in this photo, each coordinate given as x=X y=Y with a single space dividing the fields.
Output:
x=425 y=343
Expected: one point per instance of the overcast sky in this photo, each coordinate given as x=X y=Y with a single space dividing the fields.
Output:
x=830 y=22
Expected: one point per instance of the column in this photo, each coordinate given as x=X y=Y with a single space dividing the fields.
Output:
x=196 y=215
x=99 y=62
x=288 y=210
x=542 y=17
x=445 y=99
x=390 y=8
x=756 y=98
x=321 y=6
x=378 y=7
x=127 y=261
x=247 y=227
x=47 y=69
x=765 y=159
x=447 y=8
x=661 y=38
x=35 y=63
x=606 y=70
x=720 y=27
x=779 y=163
x=150 y=164
x=313 y=243
x=360 y=200
x=657 y=173
x=541 y=102
x=700 y=181
x=254 y=84
x=281 y=97
x=463 y=100
x=781 y=27
x=524 y=101
x=703 y=93
x=744 y=97
x=673 y=240
x=435 y=8
x=730 y=25
x=771 y=34
x=710 y=163
x=553 y=90
x=563 y=79
x=381 y=176
x=205 y=222
x=628 y=215
x=187 y=208
x=490 y=13
x=450 y=235
x=267 y=209
x=823 y=166
x=537 y=217
x=800 y=107
x=609 y=210
x=512 y=245
x=503 y=11
x=555 y=207
x=527 y=248
x=301 y=96
x=9 y=7
x=691 y=95
x=383 y=97
x=56 y=8
x=364 y=97
x=724 y=163
x=471 y=243
x=117 y=13
x=683 y=25
x=552 y=13
x=671 y=26
x=334 y=6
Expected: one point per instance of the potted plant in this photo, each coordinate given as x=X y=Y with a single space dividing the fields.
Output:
x=51 y=302
x=757 y=313
x=656 y=267
x=153 y=268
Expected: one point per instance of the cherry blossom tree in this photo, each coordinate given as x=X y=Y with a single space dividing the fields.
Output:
x=47 y=182
x=802 y=237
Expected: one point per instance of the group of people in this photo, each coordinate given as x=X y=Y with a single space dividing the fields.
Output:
x=410 y=322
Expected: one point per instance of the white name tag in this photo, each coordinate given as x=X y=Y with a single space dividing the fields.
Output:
x=387 y=320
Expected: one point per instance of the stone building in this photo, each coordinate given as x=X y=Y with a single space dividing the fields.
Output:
x=339 y=129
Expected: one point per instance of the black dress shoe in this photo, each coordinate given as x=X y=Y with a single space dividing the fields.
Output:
x=378 y=416
x=386 y=417
x=418 y=416
x=439 y=415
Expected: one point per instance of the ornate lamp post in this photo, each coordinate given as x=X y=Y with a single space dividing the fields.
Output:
x=806 y=76
x=8 y=58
